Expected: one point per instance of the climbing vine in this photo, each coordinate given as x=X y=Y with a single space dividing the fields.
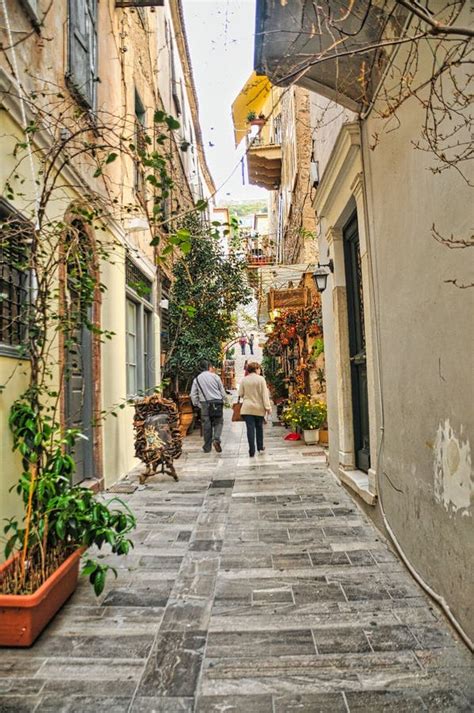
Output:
x=58 y=244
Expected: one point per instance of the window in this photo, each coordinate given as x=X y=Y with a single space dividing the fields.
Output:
x=140 y=143
x=14 y=282
x=173 y=77
x=82 y=71
x=139 y=332
x=132 y=347
x=164 y=314
x=277 y=129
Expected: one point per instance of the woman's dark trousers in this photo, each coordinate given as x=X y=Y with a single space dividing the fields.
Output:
x=254 y=432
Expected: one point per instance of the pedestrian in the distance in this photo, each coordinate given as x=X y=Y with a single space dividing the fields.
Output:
x=255 y=405
x=251 y=341
x=243 y=343
x=208 y=394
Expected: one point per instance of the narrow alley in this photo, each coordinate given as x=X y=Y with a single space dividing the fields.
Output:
x=187 y=186
x=255 y=586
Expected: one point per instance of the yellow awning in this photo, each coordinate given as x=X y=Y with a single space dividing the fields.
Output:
x=252 y=97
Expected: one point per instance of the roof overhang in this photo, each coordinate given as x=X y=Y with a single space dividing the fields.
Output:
x=323 y=49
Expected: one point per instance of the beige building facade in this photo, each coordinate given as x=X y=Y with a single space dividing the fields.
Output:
x=109 y=67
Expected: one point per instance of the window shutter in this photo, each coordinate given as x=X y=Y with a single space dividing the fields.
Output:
x=82 y=48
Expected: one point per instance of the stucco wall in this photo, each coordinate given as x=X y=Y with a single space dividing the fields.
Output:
x=327 y=117
x=426 y=338
x=419 y=332
x=14 y=375
x=126 y=64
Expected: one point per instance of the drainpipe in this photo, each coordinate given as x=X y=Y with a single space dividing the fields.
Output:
x=375 y=292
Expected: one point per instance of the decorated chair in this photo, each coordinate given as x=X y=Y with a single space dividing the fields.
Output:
x=157 y=435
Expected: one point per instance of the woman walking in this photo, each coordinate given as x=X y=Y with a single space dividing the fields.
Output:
x=255 y=404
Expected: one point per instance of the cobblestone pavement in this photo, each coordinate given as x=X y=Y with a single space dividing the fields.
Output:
x=256 y=586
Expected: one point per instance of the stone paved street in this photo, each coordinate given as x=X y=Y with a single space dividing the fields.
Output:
x=255 y=586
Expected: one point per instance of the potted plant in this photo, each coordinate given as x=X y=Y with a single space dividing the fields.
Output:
x=308 y=416
x=61 y=521
x=255 y=120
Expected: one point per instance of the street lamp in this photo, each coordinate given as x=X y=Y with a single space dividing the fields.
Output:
x=320 y=275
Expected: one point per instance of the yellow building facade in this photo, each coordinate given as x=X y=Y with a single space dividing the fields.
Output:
x=89 y=78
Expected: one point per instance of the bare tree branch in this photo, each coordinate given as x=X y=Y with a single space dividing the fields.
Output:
x=437 y=28
x=452 y=243
x=460 y=285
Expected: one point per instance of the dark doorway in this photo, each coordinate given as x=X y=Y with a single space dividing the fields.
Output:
x=357 y=353
x=79 y=406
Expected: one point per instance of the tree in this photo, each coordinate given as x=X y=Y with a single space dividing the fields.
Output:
x=207 y=289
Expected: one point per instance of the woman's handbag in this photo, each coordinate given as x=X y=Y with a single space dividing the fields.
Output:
x=236 y=411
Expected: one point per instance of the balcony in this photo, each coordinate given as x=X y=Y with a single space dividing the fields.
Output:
x=259 y=258
x=264 y=163
x=323 y=47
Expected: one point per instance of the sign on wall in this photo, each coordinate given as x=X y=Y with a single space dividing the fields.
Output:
x=296 y=298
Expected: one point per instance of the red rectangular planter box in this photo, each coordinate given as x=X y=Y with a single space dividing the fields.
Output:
x=24 y=616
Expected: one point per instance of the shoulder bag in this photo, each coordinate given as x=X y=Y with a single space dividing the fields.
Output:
x=236 y=416
x=215 y=408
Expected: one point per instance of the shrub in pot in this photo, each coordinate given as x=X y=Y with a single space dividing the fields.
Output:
x=61 y=521
x=255 y=120
x=307 y=416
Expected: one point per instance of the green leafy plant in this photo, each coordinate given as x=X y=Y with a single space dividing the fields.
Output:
x=318 y=348
x=305 y=414
x=207 y=289
x=251 y=116
x=59 y=517
x=274 y=377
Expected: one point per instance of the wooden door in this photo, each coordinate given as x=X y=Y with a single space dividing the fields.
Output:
x=357 y=351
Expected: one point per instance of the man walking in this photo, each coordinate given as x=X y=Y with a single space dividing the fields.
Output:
x=208 y=394
x=243 y=343
x=251 y=341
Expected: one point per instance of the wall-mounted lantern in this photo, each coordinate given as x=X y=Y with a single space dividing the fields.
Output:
x=321 y=274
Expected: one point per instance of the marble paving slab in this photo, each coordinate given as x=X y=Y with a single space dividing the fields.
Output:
x=255 y=586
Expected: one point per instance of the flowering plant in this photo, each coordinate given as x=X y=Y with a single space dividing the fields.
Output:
x=305 y=414
x=293 y=323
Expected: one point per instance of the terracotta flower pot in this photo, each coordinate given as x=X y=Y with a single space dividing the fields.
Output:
x=185 y=405
x=24 y=616
x=323 y=435
x=185 y=420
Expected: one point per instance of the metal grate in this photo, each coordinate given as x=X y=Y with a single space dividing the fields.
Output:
x=14 y=278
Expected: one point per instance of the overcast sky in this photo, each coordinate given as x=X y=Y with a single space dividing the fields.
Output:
x=221 y=41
